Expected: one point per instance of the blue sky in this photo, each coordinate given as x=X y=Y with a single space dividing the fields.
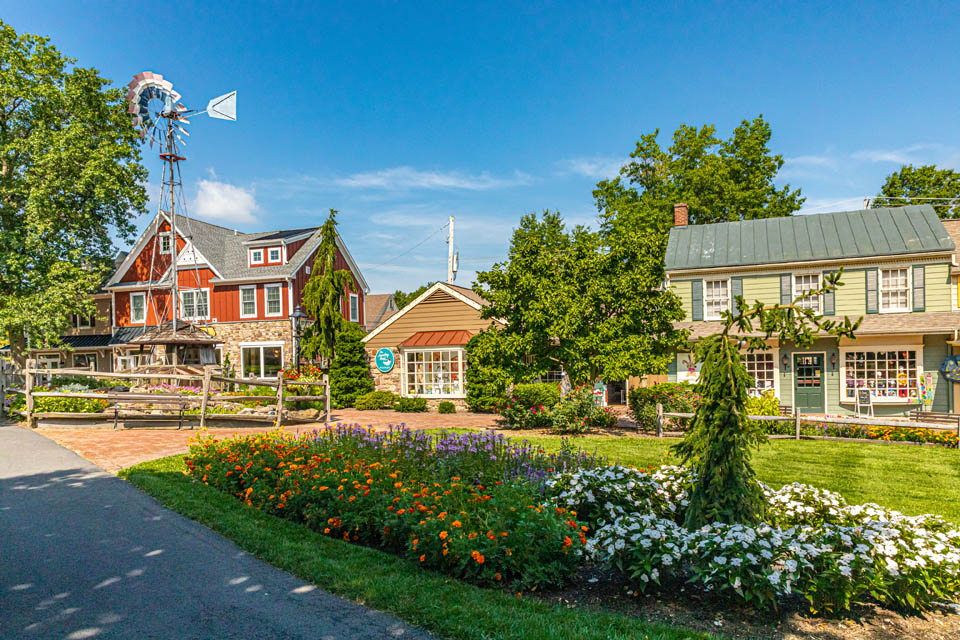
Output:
x=400 y=114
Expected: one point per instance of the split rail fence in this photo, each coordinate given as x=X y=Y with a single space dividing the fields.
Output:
x=797 y=418
x=212 y=386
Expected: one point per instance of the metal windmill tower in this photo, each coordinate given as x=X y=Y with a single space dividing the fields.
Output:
x=162 y=119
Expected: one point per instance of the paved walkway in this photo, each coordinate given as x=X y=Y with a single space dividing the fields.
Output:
x=114 y=450
x=85 y=555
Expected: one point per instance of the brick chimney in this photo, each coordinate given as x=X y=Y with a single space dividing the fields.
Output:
x=680 y=217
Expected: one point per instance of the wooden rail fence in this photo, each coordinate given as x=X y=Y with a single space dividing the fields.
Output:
x=31 y=375
x=797 y=418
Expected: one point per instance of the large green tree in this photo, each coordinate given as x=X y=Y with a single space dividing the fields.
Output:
x=70 y=178
x=322 y=296
x=922 y=182
x=587 y=302
x=720 y=180
x=403 y=298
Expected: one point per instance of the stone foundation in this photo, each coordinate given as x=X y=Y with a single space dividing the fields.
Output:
x=384 y=381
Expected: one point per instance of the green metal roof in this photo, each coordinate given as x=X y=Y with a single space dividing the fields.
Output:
x=802 y=238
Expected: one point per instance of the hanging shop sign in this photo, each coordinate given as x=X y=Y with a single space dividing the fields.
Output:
x=384 y=360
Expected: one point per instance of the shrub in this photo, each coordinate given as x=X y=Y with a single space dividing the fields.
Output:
x=675 y=397
x=535 y=394
x=765 y=404
x=410 y=405
x=349 y=371
x=85 y=382
x=516 y=416
x=59 y=405
x=486 y=382
x=375 y=400
x=446 y=407
x=578 y=411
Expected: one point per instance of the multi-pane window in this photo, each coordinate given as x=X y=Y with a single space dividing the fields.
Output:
x=273 y=255
x=894 y=290
x=891 y=376
x=762 y=367
x=165 y=243
x=248 y=302
x=435 y=372
x=716 y=298
x=272 y=293
x=256 y=256
x=83 y=322
x=262 y=360
x=804 y=283
x=85 y=360
x=194 y=304
x=138 y=307
x=354 y=308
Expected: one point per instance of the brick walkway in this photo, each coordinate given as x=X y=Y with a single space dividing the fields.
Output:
x=114 y=450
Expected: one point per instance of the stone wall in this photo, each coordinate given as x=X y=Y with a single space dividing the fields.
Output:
x=233 y=333
x=384 y=381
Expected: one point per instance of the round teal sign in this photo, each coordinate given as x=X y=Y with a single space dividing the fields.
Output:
x=384 y=360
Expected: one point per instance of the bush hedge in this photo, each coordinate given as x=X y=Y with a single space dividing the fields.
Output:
x=675 y=397
x=410 y=405
x=535 y=394
x=375 y=400
x=446 y=407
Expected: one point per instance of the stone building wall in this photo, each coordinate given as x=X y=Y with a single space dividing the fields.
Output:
x=234 y=333
x=384 y=381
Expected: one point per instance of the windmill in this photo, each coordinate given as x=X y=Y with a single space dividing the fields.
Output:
x=162 y=119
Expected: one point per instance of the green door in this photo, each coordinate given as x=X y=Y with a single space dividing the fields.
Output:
x=808 y=382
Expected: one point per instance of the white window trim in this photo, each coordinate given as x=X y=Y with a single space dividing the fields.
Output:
x=266 y=304
x=460 y=378
x=143 y=320
x=181 y=307
x=164 y=236
x=706 y=316
x=270 y=254
x=248 y=287
x=877 y=400
x=253 y=345
x=796 y=292
x=81 y=321
x=255 y=252
x=44 y=361
x=353 y=297
x=880 y=271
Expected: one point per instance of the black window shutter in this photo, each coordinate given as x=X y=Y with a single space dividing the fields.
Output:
x=872 y=306
x=696 y=300
x=736 y=289
x=919 y=293
x=829 y=302
x=786 y=289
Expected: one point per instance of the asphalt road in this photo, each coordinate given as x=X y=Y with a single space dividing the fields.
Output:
x=85 y=555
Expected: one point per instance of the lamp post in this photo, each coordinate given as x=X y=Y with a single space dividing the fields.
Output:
x=296 y=319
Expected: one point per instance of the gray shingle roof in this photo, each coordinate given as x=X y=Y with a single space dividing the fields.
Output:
x=802 y=238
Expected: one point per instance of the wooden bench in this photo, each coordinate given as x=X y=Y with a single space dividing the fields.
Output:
x=919 y=415
x=181 y=406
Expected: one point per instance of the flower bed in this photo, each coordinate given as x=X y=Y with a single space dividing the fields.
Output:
x=496 y=512
x=469 y=505
x=906 y=433
x=574 y=413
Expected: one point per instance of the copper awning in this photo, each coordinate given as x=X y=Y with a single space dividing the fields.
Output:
x=438 y=339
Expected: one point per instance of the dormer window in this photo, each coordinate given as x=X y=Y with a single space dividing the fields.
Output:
x=273 y=254
x=256 y=256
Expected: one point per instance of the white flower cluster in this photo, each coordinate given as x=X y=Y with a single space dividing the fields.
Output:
x=607 y=493
x=816 y=545
x=801 y=504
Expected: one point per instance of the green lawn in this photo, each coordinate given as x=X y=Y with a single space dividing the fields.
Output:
x=442 y=605
x=911 y=479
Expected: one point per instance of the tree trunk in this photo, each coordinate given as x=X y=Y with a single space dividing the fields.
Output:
x=18 y=346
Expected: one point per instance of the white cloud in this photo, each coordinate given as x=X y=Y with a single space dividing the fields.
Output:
x=408 y=178
x=594 y=167
x=222 y=202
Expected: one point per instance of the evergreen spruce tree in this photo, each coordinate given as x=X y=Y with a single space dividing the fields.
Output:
x=349 y=371
x=719 y=442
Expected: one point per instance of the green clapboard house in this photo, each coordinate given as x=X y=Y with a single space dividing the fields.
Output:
x=898 y=275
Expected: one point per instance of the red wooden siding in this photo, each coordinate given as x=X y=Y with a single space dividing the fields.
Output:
x=292 y=249
x=224 y=302
x=159 y=304
x=339 y=262
x=139 y=271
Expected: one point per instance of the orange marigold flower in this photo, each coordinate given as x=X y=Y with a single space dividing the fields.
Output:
x=455 y=523
x=498 y=577
x=443 y=535
x=423 y=557
x=397 y=484
x=567 y=541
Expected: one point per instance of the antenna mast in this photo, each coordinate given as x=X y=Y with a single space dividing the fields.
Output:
x=451 y=271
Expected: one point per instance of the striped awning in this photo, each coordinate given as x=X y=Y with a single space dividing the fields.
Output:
x=438 y=339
